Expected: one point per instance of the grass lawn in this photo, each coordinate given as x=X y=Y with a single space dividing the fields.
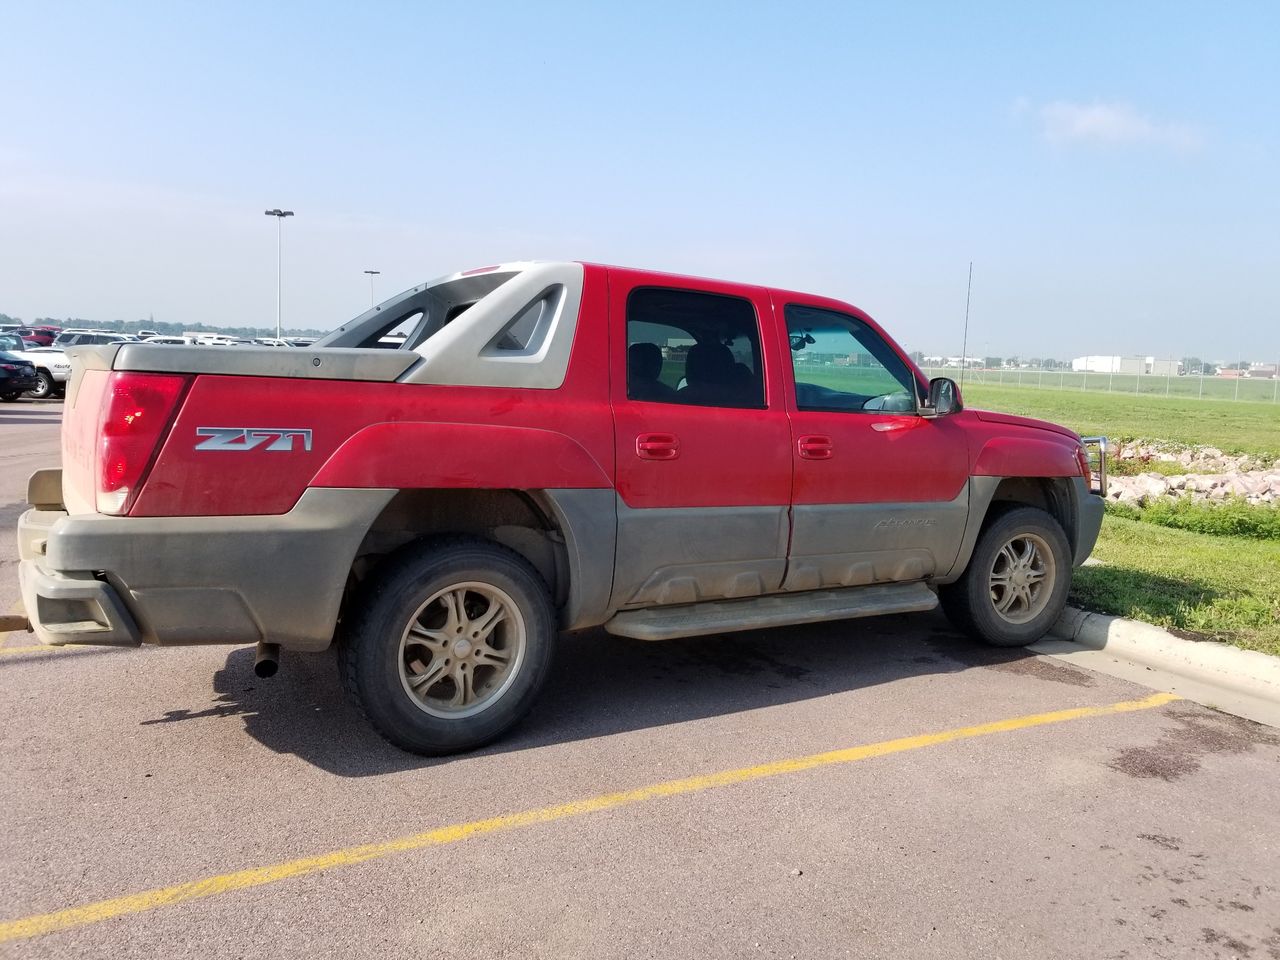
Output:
x=1222 y=588
x=1235 y=427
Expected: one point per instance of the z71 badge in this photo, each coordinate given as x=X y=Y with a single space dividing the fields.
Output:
x=250 y=438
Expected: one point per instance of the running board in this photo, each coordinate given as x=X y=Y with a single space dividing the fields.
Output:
x=776 y=610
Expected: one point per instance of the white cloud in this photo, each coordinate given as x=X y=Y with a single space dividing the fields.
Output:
x=1112 y=124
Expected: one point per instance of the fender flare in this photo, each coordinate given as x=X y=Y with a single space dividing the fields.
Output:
x=1026 y=457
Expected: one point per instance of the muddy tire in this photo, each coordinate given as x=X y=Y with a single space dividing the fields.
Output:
x=1016 y=584
x=448 y=645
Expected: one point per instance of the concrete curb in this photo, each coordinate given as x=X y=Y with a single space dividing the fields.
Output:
x=1242 y=671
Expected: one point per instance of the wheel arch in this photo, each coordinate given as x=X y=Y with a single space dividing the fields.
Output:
x=560 y=533
x=989 y=497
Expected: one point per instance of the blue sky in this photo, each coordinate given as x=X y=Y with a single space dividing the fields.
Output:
x=1112 y=170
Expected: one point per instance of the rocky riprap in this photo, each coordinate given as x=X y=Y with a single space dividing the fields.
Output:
x=1210 y=475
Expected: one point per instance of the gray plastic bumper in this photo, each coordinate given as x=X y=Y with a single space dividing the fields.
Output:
x=1089 y=510
x=74 y=610
x=95 y=579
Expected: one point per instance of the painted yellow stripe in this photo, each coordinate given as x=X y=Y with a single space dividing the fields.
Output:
x=44 y=923
x=37 y=648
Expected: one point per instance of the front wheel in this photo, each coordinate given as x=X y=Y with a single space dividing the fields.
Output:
x=449 y=645
x=1016 y=584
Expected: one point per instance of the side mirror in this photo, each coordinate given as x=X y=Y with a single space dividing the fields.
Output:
x=944 y=398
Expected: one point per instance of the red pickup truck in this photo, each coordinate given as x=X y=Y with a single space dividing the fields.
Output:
x=447 y=481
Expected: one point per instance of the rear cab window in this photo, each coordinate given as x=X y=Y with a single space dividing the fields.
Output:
x=693 y=348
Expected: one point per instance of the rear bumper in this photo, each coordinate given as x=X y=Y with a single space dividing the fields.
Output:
x=18 y=384
x=94 y=579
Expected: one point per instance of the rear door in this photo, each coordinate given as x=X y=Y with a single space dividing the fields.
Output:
x=703 y=441
x=881 y=493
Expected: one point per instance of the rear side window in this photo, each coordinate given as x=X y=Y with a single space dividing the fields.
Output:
x=689 y=347
x=527 y=330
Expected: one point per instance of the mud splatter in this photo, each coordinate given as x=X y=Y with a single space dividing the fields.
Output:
x=1214 y=937
x=1042 y=668
x=1200 y=733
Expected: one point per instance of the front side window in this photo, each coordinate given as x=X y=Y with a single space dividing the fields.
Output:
x=701 y=349
x=841 y=364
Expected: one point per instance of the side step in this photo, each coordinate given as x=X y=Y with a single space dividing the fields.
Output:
x=777 y=610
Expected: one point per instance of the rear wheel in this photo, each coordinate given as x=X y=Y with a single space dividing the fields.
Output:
x=9 y=396
x=45 y=387
x=1016 y=584
x=448 y=647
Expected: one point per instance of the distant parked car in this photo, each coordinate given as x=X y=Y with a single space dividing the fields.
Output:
x=43 y=336
x=270 y=342
x=17 y=376
x=12 y=341
x=68 y=339
x=175 y=341
x=52 y=370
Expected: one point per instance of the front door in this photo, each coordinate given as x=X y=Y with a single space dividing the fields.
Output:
x=703 y=442
x=881 y=493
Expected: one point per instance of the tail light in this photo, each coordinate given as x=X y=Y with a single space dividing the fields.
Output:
x=135 y=415
x=9 y=366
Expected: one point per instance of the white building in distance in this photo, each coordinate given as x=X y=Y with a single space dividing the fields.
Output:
x=1133 y=366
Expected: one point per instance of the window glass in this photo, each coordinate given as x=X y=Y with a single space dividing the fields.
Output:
x=841 y=364
x=527 y=330
x=694 y=348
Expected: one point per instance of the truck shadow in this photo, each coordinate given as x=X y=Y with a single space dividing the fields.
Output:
x=602 y=685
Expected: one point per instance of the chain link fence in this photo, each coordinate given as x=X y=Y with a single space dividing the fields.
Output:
x=1194 y=384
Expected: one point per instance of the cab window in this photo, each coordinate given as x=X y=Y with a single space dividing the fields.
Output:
x=689 y=347
x=842 y=365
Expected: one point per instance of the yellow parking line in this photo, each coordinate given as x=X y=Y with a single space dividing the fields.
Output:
x=43 y=923
x=37 y=648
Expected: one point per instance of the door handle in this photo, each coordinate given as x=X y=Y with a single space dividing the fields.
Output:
x=814 y=447
x=657 y=446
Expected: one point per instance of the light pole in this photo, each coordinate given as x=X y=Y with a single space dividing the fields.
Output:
x=279 y=215
x=372 y=274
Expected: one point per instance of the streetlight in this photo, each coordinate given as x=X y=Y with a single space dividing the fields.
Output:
x=372 y=274
x=279 y=215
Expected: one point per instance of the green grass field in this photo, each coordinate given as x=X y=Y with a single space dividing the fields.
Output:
x=1236 y=427
x=1223 y=588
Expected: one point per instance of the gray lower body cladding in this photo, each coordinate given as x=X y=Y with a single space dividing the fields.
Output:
x=758 y=613
x=188 y=580
x=1089 y=509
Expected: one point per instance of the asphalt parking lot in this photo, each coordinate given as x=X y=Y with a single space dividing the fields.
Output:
x=863 y=789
